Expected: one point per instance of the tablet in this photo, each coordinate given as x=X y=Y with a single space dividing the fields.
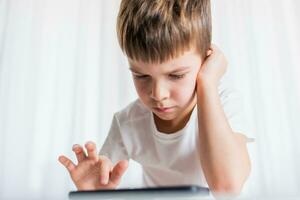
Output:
x=171 y=192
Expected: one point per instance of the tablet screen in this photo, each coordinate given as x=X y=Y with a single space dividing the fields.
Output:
x=142 y=193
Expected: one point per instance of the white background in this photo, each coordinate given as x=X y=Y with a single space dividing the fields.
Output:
x=62 y=76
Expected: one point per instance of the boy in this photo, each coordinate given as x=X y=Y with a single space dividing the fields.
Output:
x=184 y=128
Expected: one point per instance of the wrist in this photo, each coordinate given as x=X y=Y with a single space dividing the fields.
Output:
x=207 y=96
x=206 y=85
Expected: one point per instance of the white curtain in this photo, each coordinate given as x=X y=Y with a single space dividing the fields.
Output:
x=62 y=76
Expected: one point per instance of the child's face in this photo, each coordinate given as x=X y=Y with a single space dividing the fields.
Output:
x=167 y=89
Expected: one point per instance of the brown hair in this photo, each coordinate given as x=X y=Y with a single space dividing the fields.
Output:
x=158 y=30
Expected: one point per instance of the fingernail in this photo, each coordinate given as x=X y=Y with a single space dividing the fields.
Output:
x=61 y=158
x=90 y=143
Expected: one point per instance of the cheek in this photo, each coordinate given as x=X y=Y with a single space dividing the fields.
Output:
x=141 y=89
x=185 y=90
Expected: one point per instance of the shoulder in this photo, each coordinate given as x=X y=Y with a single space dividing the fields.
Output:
x=132 y=112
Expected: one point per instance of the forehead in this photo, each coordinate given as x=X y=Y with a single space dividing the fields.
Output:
x=187 y=59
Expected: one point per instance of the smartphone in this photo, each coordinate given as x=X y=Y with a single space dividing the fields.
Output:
x=172 y=192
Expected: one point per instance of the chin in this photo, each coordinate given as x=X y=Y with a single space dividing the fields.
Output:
x=166 y=117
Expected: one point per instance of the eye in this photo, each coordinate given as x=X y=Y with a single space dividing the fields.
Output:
x=176 y=76
x=140 y=76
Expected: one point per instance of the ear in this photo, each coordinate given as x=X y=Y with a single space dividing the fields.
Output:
x=209 y=52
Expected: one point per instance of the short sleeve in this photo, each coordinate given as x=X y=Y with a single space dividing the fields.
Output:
x=113 y=147
x=232 y=103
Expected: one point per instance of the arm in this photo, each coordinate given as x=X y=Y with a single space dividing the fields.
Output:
x=223 y=153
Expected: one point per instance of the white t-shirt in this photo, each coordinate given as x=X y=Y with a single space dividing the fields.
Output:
x=166 y=159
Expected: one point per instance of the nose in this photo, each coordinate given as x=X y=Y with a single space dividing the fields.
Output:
x=159 y=91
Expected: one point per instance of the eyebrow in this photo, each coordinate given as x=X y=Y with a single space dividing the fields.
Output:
x=174 y=71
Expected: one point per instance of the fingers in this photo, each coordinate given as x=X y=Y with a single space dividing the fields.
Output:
x=118 y=171
x=67 y=163
x=105 y=168
x=215 y=53
x=91 y=150
x=79 y=152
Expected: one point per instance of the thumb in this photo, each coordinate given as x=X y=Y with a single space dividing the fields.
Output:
x=118 y=171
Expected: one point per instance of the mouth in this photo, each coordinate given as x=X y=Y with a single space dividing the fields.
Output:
x=163 y=109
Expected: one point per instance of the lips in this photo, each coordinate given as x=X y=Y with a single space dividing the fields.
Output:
x=163 y=109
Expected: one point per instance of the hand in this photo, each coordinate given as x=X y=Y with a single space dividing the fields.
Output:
x=213 y=67
x=93 y=172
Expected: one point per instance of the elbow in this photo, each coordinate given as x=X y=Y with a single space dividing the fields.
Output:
x=227 y=188
x=233 y=185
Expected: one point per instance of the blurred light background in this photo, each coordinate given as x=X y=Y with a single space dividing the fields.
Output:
x=62 y=76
